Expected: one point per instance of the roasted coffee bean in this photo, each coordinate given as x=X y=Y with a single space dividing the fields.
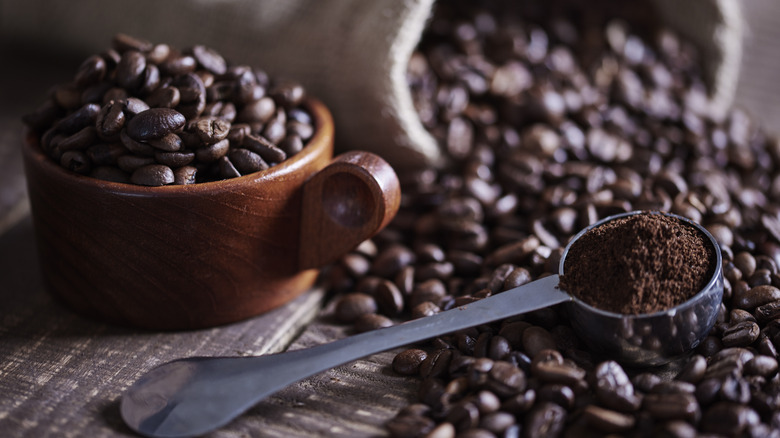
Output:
x=164 y=97
x=155 y=123
x=351 y=306
x=671 y=406
x=174 y=160
x=556 y=393
x=741 y=334
x=505 y=380
x=123 y=42
x=261 y=111
x=409 y=426
x=152 y=175
x=111 y=119
x=134 y=106
x=537 y=339
x=614 y=389
x=129 y=71
x=209 y=130
x=246 y=161
x=134 y=146
x=92 y=70
x=728 y=418
x=130 y=163
x=761 y=365
x=78 y=141
x=77 y=120
x=212 y=153
x=288 y=94
x=185 y=175
x=389 y=298
x=436 y=364
x=291 y=145
x=371 y=321
x=545 y=420
x=694 y=370
x=105 y=154
x=167 y=143
x=608 y=421
x=76 y=161
x=408 y=361
x=209 y=59
x=264 y=148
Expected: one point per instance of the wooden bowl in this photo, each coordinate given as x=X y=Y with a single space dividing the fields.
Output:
x=182 y=257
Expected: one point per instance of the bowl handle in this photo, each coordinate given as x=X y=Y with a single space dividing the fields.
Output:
x=345 y=203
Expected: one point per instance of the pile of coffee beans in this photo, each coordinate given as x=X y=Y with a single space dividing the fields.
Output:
x=555 y=115
x=149 y=114
x=639 y=264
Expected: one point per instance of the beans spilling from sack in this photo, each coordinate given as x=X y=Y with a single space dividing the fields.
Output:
x=151 y=115
x=551 y=122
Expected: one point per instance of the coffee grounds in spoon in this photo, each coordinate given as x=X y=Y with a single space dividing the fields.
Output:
x=638 y=264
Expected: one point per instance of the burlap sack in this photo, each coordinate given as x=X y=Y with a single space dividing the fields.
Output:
x=350 y=53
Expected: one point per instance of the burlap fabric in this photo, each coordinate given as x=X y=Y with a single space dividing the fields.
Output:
x=352 y=54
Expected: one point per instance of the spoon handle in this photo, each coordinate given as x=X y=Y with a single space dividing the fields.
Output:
x=193 y=396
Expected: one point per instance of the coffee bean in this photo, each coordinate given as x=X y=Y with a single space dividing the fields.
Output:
x=694 y=370
x=155 y=123
x=110 y=120
x=728 y=418
x=288 y=94
x=174 y=160
x=614 y=389
x=105 y=154
x=209 y=59
x=167 y=143
x=671 y=406
x=152 y=175
x=537 y=339
x=185 y=175
x=129 y=71
x=130 y=163
x=264 y=148
x=389 y=298
x=246 y=161
x=741 y=334
x=134 y=106
x=606 y=420
x=260 y=110
x=76 y=161
x=408 y=361
x=123 y=42
x=371 y=321
x=409 y=426
x=164 y=97
x=761 y=365
x=213 y=152
x=545 y=420
x=92 y=70
x=351 y=306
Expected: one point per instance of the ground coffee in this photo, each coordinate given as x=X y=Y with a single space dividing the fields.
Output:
x=643 y=263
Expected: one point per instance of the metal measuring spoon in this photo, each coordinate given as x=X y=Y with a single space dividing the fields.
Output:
x=193 y=396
